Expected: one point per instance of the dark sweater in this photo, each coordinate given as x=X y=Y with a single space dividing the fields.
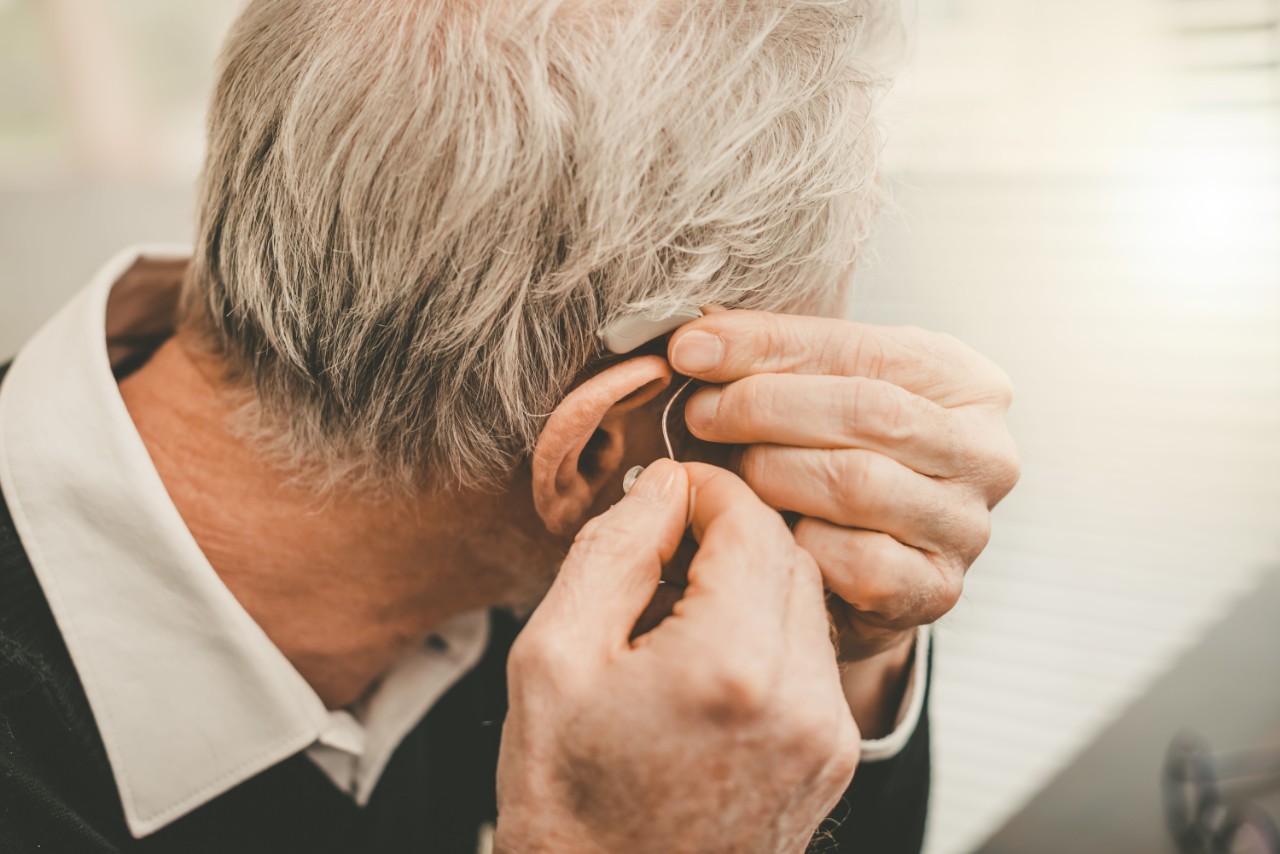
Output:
x=58 y=796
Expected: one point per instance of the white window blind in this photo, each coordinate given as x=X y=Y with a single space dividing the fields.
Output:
x=1088 y=192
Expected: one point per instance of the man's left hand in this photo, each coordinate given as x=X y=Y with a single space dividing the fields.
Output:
x=890 y=443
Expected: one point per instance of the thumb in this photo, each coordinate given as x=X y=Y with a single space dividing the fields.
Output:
x=612 y=570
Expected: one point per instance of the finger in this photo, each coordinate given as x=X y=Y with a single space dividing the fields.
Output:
x=865 y=489
x=730 y=345
x=754 y=608
x=835 y=412
x=744 y=566
x=808 y=617
x=887 y=584
x=612 y=570
x=856 y=639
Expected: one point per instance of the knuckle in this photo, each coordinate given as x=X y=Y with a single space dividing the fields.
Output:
x=872 y=586
x=945 y=341
x=952 y=587
x=850 y=475
x=735 y=692
x=773 y=338
x=949 y=348
x=1010 y=467
x=834 y=346
x=997 y=464
x=963 y=528
x=803 y=562
x=876 y=592
x=596 y=528
x=864 y=356
x=809 y=536
x=755 y=399
x=847 y=752
x=600 y=539
x=994 y=381
x=1003 y=390
x=811 y=734
x=826 y=548
x=946 y=591
x=990 y=381
x=942 y=605
x=983 y=449
x=978 y=528
x=954 y=450
x=883 y=414
x=537 y=653
x=893 y=417
x=753 y=464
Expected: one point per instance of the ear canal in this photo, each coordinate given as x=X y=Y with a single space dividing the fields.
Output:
x=600 y=454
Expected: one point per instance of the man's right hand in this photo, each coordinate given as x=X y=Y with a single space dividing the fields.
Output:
x=724 y=729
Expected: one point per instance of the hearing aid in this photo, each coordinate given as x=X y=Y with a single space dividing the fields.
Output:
x=629 y=479
x=633 y=330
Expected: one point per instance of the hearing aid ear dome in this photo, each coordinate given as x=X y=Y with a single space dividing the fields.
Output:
x=629 y=479
x=633 y=330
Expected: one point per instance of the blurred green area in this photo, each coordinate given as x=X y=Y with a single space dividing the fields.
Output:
x=32 y=130
x=64 y=64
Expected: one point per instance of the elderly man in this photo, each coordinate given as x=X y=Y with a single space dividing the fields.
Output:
x=274 y=514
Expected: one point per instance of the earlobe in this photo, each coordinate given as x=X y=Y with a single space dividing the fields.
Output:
x=583 y=443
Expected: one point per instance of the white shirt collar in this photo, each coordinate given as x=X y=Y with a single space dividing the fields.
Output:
x=190 y=696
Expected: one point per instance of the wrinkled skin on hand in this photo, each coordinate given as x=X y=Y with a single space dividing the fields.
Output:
x=723 y=729
x=889 y=444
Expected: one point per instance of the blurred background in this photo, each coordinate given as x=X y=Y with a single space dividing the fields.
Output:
x=1088 y=191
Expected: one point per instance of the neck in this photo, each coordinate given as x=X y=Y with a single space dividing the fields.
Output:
x=344 y=584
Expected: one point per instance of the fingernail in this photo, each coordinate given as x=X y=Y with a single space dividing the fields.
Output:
x=697 y=352
x=655 y=482
x=701 y=409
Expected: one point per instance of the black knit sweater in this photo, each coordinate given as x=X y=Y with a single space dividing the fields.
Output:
x=58 y=796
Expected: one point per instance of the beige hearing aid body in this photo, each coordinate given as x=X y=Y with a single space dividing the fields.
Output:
x=634 y=330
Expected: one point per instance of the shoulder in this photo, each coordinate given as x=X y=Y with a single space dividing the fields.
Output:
x=56 y=788
x=35 y=670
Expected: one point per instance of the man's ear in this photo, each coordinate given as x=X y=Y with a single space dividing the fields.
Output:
x=582 y=445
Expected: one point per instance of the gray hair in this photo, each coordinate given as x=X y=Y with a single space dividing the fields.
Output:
x=414 y=216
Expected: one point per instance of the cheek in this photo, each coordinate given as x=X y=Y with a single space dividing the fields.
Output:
x=527 y=565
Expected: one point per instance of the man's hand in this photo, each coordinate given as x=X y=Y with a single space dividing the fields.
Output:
x=723 y=729
x=890 y=443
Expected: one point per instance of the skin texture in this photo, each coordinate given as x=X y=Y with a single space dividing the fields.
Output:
x=726 y=723
x=889 y=445
x=565 y=484
x=341 y=584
